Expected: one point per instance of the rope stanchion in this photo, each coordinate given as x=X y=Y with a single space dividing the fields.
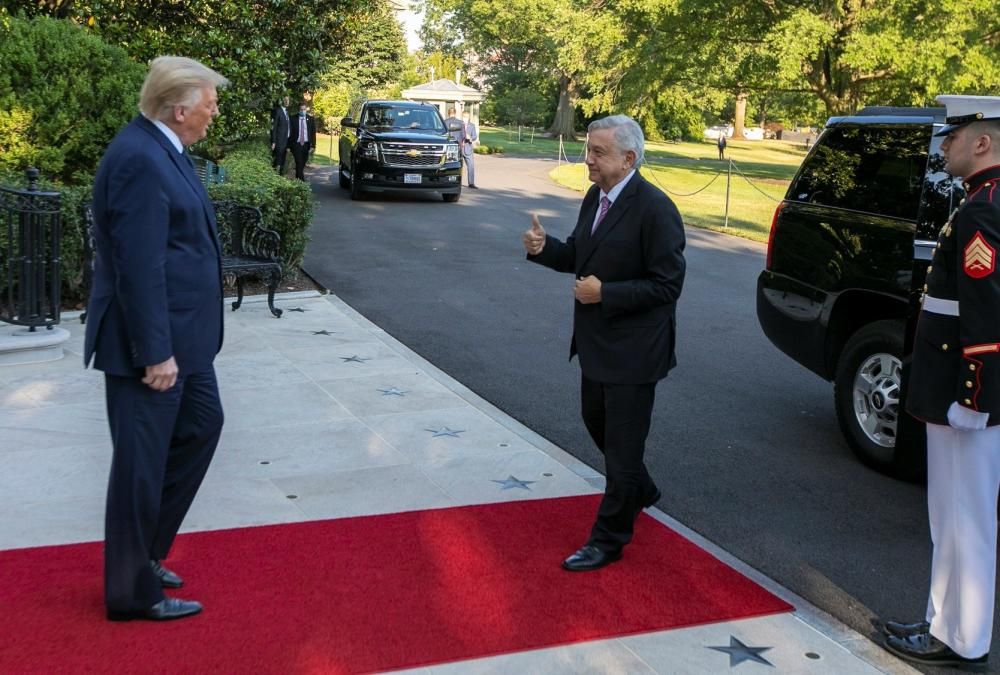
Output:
x=680 y=194
x=744 y=176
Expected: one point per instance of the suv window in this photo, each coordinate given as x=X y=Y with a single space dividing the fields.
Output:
x=867 y=168
x=940 y=196
x=398 y=117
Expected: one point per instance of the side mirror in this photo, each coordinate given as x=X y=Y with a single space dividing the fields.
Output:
x=455 y=126
x=348 y=122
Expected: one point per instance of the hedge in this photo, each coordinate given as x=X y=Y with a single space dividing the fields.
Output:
x=287 y=205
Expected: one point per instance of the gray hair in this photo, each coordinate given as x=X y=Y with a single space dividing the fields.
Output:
x=628 y=134
x=173 y=81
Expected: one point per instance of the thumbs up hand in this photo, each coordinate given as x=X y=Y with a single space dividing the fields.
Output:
x=534 y=238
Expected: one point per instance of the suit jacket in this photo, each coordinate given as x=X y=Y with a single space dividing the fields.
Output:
x=459 y=134
x=638 y=254
x=157 y=289
x=956 y=349
x=293 y=137
x=279 y=128
x=471 y=135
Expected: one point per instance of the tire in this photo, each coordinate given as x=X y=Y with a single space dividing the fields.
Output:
x=866 y=393
x=452 y=198
x=345 y=182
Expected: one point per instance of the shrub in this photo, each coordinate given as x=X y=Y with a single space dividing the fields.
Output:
x=63 y=95
x=487 y=149
x=287 y=205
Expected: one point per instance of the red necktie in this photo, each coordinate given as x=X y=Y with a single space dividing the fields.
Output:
x=605 y=205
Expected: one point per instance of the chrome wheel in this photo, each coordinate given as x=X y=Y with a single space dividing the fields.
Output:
x=876 y=398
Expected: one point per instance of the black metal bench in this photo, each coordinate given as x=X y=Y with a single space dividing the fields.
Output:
x=249 y=250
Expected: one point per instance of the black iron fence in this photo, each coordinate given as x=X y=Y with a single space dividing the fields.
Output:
x=30 y=230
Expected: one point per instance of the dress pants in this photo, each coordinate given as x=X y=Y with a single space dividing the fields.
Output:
x=280 y=155
x=963 y=475
x=300 y=151
x=468 y=157
x=163 y=444
x=617 y=417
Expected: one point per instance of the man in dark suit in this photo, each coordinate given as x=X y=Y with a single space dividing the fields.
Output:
x=279 y=136
x=303 y=140
x=954 y=386
x=627 y=253
x=154 y=327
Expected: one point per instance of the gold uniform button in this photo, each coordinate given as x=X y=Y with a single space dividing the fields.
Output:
x=929 y=268
x=925 y=288
x=968 y=383
x=968 y=402
x=972 y=366
x=944 y=347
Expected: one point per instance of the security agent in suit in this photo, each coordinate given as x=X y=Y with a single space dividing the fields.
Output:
x=279 y=136
x=955 y=388
x=154 y=327
x=470 y=136
x=627 y=253
x=303 y=140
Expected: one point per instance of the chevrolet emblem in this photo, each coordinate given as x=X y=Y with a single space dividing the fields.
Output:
x=413 y=153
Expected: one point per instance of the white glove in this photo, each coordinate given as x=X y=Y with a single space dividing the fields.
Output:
x=962 y=418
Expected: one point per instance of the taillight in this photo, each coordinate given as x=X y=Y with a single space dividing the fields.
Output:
x=770 y=236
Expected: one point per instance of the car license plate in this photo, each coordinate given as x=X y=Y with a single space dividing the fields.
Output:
x=411 y=177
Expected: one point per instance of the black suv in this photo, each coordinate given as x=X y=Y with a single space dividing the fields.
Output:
x=398 y=145
x=846 y=261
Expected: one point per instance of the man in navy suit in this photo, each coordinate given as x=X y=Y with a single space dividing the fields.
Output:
x=627 y=253
x=279 y=136
x=154 y=327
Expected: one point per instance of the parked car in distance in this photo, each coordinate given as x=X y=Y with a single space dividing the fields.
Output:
x=846 y=261
x=398 y=145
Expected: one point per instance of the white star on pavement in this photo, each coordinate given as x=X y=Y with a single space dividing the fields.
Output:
x=393 y=391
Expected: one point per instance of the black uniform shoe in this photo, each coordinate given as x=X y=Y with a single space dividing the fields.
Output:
x=652 y=499
x=590 y=558
x=165 y=610
x=167 y=578
x=904 y=630
x=926 y=649
x=474 y=186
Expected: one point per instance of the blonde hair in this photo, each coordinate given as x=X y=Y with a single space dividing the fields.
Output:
x=173 y=81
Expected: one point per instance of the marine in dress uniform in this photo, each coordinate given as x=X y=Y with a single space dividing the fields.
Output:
x=955 y=388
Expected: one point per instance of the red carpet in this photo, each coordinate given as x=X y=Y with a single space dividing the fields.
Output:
x=367 y=594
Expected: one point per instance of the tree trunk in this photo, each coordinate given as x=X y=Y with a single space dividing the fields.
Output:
x=741 y=113
x=565 y=112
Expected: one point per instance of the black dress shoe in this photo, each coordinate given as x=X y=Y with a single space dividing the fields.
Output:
x=590 y=558
x=167 y=578
x=653 y=499
x=904 y=630
x=926 y=649
x=474 y=187
x=165 y=610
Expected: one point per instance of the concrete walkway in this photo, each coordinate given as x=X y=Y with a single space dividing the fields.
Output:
x=328 y=416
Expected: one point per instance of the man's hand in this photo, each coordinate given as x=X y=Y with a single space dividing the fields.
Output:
x=534 y=238
x=272 y=147
x=162 y=376
x=588 y=290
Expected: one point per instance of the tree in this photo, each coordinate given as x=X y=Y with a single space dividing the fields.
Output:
x=267 y=48
x=63 y=95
